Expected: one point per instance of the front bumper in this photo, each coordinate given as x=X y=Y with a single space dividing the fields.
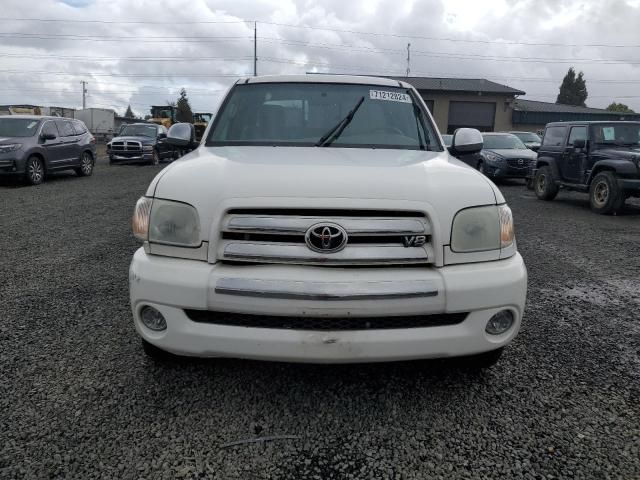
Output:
x=173 y=285
x=144 y=156
x=11 y=165
x=507 y=171
x=629 y=185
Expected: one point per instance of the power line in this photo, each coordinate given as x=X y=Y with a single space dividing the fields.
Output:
x=95 y=38
x=134 y=75
x=172 y=22
x=126 y=59
x=292 y=62
x=339 y=30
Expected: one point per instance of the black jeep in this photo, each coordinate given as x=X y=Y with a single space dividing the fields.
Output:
x=601 y=158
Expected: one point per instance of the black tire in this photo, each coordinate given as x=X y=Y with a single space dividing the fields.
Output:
x=605 y=196
x=155 y=353
x=544 y=185
x=484 y=360
x=86 y=165
x=34 y=170
x=155 y=160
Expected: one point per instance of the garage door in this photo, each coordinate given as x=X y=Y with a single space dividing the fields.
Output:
x=480 y=115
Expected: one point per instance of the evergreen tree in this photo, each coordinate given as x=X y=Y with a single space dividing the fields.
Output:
x=573 y=90
x=619 y=108
x=183 y=113
x=129 y=113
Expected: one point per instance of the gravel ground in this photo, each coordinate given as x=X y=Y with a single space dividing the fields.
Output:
x=78 y=398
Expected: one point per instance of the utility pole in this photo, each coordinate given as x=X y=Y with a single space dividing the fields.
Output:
x=84 y=94
x=255 y=49
x=408 y=59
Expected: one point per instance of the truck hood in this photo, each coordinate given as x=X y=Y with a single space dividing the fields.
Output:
x=134 y=138
x=213 y=179
x=631 y=153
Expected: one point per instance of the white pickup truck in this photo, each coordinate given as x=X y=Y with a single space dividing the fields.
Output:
x=321 y=219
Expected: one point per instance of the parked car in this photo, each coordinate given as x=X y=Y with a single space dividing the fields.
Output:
x=505 y=156
x=140 y=142
x=34 y=146
x=301 y=174
x=531 y=140
x=599 y=158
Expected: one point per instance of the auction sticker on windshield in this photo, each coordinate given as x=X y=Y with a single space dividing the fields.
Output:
x=391 y=96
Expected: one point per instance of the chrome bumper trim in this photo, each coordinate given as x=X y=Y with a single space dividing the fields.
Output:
x=381 y=254
x=299 y=225
x=297 y=290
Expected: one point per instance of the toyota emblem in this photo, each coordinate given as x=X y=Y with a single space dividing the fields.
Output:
x=326 y=238
x=520 y=161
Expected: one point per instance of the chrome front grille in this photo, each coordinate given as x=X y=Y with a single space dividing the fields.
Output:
x=126 y=146
x=374 y=238
x=519 y=162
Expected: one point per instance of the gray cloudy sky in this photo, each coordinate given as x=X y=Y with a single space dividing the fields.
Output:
x=527 y=44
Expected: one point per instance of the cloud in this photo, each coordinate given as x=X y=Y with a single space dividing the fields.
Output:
x=147 y=63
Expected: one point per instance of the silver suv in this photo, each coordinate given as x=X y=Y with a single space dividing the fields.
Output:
x=32 y=146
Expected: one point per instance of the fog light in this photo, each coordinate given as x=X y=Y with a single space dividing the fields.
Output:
x=153 y=319
x=500 y=322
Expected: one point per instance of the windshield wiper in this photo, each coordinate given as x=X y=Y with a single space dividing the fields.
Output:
x=337 y=130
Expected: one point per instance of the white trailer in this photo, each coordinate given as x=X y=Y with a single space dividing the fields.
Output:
x=99 y=121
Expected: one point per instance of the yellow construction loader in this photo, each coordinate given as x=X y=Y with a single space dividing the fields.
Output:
x=200 y=122
x=163 y=115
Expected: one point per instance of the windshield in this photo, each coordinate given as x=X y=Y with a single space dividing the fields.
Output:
x=161 y=113
x=527 y=136
x=201 y=117
x=616 y=133
x=301 y=114
x=139 y=131
x=18 y=127
x=448 y=140
x=504 y=142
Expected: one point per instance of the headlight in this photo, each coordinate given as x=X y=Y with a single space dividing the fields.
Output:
x=12 y=147
x=493 y=157
x=140 y=220
x=166 y=222
x=482 y=228
x=147 y=148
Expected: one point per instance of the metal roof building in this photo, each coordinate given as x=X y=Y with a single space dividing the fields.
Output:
x=534 y=115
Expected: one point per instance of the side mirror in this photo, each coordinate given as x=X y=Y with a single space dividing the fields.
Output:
x=162 y=135
x=580 y=144
x=48 y=136
x=466 y=140
x=182 y=135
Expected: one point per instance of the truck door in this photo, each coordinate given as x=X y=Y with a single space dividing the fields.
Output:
x=53 y=147
x=574 y=160
x=71 y=143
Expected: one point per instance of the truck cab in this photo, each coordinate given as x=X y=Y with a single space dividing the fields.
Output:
x=164 y=115
x=598 y=158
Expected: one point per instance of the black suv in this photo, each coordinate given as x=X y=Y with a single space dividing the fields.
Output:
x=601 y=158
x=140 y=142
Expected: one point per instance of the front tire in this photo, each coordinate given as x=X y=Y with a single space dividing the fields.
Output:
x=155 y=353
x=485 y=360
x=605 y=196
x=544 y=185
x=529 y=183
x=155 y=160
x=86 y=165
x=34 y=171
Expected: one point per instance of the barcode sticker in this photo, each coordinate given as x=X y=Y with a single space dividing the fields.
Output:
x=390 y=96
